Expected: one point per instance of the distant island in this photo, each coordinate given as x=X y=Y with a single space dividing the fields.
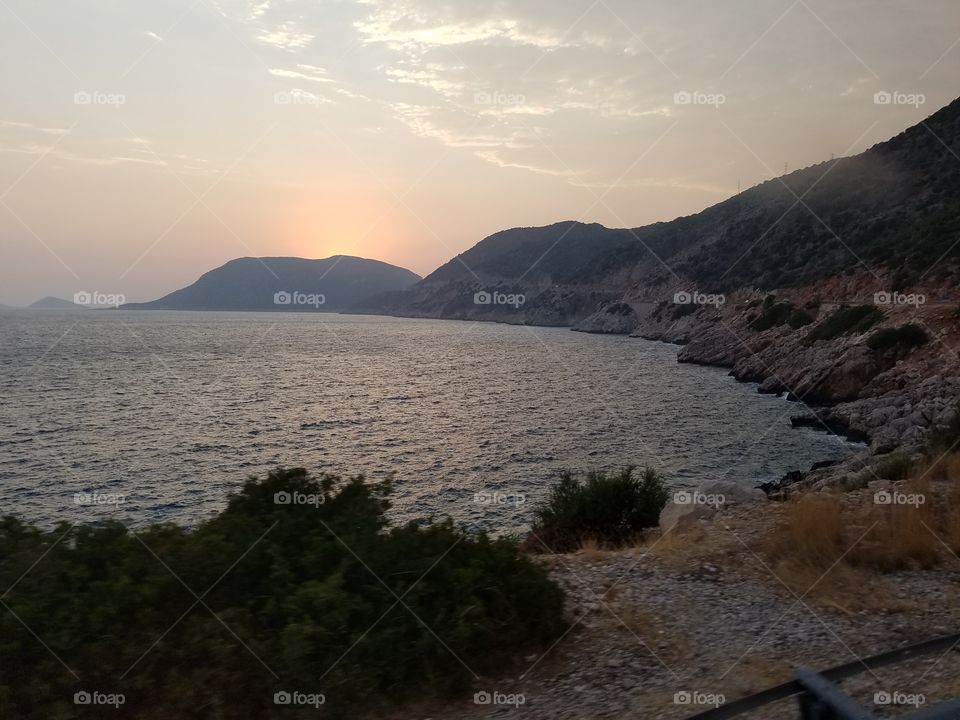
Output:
x=54 y=303
x=286 y=284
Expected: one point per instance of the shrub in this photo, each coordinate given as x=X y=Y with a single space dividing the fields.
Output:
x=773 y=315
x=800 y=318
x=846 y=321
x=325 y=595
x=611 y=510
x=782 y=313
x=904 y=337
x=895 y=467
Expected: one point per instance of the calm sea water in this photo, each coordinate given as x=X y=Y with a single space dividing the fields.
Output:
x=173 y=411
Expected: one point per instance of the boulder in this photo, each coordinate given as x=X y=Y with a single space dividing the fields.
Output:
x=682 y=516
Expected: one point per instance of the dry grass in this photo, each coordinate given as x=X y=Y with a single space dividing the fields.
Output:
x=942 y=469
x=812 y=556
x=951 y=519
x=815 y=530
x=901 y=534
x=591 y=549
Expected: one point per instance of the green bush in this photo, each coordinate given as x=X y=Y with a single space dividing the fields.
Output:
x=906 y=336
x=846 y=321
x=781 y=313
x=317 y=598
x=609 y=509
x=895 y=467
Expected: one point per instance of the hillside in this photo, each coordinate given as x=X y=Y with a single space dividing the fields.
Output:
x=54 y=303
x=893 y=210
x=286 y=284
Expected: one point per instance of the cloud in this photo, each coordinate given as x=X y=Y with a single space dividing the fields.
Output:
x=287 y=36
x=300 y=75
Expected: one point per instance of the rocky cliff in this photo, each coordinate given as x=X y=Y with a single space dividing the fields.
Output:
x=851 y=367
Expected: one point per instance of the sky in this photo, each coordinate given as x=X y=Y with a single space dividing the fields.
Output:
x=143 y=143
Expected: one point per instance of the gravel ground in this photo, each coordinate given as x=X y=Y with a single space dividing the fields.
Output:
x=703 y=615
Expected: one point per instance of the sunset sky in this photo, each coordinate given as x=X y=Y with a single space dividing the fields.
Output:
x=145 y=142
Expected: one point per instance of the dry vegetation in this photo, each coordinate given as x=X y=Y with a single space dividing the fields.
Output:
x=836 y=548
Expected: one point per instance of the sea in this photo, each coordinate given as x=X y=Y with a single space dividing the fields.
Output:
x=146 y=417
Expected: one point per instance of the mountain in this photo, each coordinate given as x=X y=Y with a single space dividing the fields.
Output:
x=54 y=303
x=542 y=275
x=286 y=283
x=893 y=210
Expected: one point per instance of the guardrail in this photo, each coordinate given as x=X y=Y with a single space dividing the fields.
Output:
x=820 y=698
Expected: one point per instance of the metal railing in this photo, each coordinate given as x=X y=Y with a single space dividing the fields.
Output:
x=820 y=698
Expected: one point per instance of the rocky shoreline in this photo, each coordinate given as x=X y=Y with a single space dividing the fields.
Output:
x=887 y=398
